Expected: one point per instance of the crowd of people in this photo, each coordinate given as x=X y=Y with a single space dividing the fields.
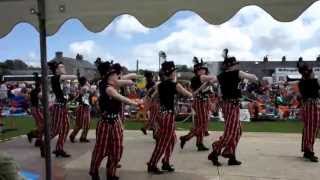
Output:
x=206 y=94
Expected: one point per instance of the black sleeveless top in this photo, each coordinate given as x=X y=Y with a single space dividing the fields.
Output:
x=167 y=91
x=195 y=85
x=57 y=90
x=108 y=105
x=309 y=88
x=34 y=97
x=229 y=85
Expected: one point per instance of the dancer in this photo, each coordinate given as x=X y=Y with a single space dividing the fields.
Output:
x=166 y=135
x=36 y=113
x=59 y=117
x=229 y=80
x=153 y=104
x=109 y=140
x=309 y=89
x=83 y=112
x=201 y=104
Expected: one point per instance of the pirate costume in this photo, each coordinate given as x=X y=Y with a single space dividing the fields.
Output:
x=82 y=112
x=309 y=90
x=109 y=133
x=201 y=105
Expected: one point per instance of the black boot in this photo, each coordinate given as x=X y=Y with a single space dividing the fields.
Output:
x=61 y=153
x=167 y=167
x=206 y=133
x=71 y=137
x=113 y=178
x=30 y=137
x=202 y=147
x=154 y=170
x=233 y=161
x=84 y=140
x=42 y=151
x=95 y=176
x=38 y=143
x=144 y=131
x=310 y=156
x=182 y=142
x=213 y=157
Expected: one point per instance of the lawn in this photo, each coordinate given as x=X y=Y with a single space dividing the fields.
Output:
x=15 y=126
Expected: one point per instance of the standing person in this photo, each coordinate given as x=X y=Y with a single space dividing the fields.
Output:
x=229 y=81
x=166 y=135
x=3 y=98
x=309 y=89
x=153 y=105
x=109 y=140
x=82 y=112
x=36 y=113
x=59 y=122
x=201 y=104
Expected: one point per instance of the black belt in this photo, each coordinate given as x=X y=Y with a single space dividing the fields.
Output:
x=166 y=110
x=60 y=103
x=311 y=100
x=109 y=118
x=234 y=101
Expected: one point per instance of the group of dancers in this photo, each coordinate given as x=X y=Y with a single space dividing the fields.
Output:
x=160 y=103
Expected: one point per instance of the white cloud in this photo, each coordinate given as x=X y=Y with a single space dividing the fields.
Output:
x=250 y=35
x=125 y=26
x=33 y=59
x=89 y=49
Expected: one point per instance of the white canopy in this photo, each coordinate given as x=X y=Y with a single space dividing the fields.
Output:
x=97 y=14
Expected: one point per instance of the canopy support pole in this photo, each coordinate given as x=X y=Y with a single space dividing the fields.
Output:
x=44 y=74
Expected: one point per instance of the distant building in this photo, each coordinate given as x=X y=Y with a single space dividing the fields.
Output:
x=278 y=70
x=86 y=68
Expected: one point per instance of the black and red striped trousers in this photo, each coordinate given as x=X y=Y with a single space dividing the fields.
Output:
x=37 y=115
x=109 y=143
x=154 y=112
x=201 y=123
x=311 y=124
x=232 y=129
x=166 y=138
x=82 y=121
x=59 y=124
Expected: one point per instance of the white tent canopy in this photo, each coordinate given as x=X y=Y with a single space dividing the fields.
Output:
x=97 y=14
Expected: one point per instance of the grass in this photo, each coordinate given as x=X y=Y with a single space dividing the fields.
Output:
x=23 y=125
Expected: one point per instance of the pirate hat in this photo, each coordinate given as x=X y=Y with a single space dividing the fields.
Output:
x=168 y=67
x=229 y=62
x=304 y=69
x=107 y=68
x=199 y=65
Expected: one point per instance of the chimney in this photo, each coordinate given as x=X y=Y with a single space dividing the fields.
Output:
x=79 y=57
x=59 y=54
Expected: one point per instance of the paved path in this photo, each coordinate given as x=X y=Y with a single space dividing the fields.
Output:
x=265 y=156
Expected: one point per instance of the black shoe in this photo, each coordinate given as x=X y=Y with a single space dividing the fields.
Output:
x=213 y=157
x=113 y=178
x=311 y=156
x=38 y=143
x=154 y=170
x=234 y=162
x=201 y=147
x=206 y=133
x=30 y=137
x=42 y=151
x=167 y=167
x=95 y=176
x=84 y=140
x=61 y=153
x=119 y=166
x=144 y=131
x=182 y=142
x=72 y=139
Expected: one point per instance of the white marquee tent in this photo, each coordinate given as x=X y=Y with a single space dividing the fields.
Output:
x=48 y=15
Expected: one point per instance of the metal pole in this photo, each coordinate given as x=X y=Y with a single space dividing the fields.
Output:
x=44 y=75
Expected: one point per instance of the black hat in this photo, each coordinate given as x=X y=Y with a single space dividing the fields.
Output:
x=229 y=62
x=53 y=65
x=168 y=67
x=107 y=68
x=199 y=65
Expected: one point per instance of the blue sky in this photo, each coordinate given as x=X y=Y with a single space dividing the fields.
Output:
x=250 y=35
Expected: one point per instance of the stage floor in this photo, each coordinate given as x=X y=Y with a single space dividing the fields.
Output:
x=265 y=156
